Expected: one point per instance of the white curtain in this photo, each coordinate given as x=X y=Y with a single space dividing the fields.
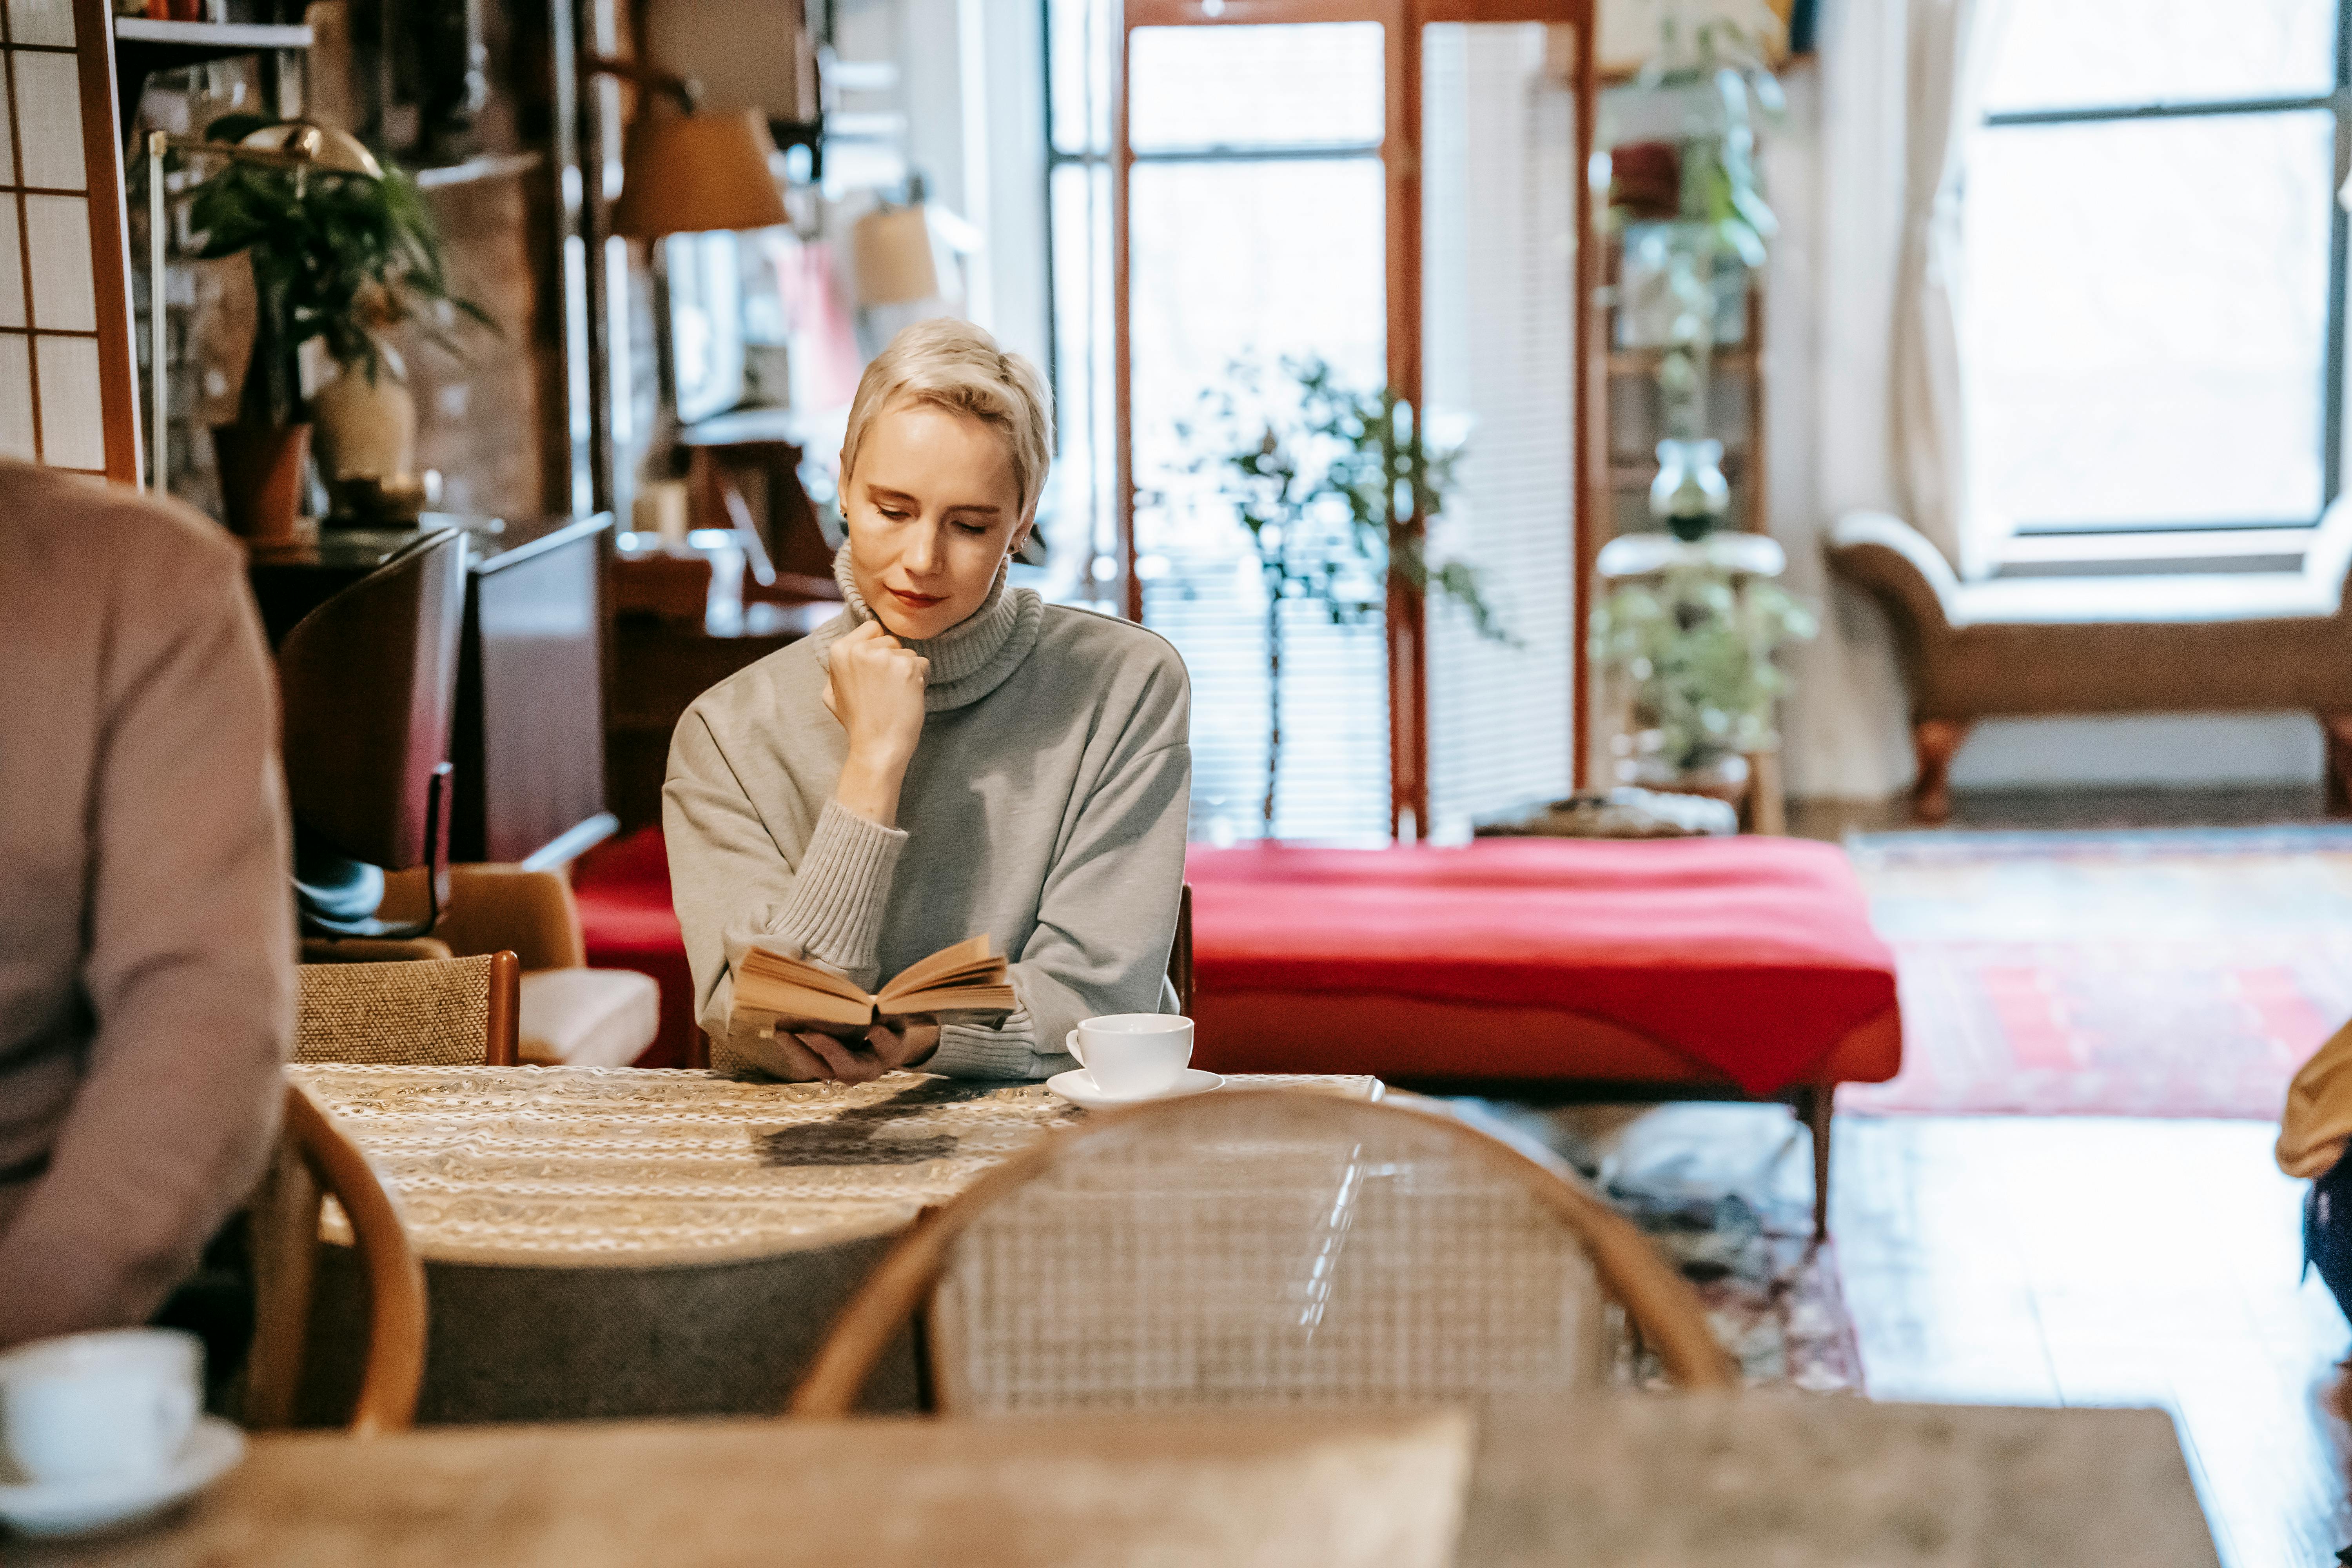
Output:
x=1951 y=48
x=1862 y=367
x=1835 y=169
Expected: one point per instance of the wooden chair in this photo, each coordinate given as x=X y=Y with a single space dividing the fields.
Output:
x=1180 y=953
x=314 y=1157
x=368 y=687
x=453 y=1011
x=1257 y=1246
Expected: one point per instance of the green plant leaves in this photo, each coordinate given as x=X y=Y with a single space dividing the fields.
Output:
x=1698 y=647
x=339 y=257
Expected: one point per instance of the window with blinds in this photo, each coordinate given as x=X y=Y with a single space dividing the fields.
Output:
x=1499 y=297
x=54 y=296
x=1259 y=226
x=1256 y=209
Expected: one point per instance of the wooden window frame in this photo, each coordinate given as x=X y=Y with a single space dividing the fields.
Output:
x=110 y=241
x=1402 y=23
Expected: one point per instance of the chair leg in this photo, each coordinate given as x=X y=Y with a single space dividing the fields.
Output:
x=2336 y=731
x=1816 y=1104
x=1933 y=742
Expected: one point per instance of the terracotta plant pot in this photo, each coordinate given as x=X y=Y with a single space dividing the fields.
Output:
x=261 y=478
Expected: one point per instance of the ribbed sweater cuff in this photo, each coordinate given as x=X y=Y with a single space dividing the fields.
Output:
x=1009 y=1050
x=835 y=910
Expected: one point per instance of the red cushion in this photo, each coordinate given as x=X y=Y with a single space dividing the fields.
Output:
x=1753 y=957
x=626 y=922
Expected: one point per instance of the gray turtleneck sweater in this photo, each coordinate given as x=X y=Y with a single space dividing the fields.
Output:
x=1044 y=806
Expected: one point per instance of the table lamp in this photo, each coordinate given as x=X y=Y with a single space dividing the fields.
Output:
x=684 y=173
x=689 y=172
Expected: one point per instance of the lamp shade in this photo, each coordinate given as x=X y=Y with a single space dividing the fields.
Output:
x=890 y=249
x=685 y=173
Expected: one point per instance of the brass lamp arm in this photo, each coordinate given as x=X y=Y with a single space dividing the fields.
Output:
x=688 y=93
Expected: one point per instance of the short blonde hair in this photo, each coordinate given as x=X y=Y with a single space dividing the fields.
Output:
x=953 y=365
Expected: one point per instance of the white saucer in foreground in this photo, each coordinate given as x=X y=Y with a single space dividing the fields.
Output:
x=78 y=1508
x=1077 y=1087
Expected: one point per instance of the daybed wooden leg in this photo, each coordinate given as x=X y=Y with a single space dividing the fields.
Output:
x=2336 y=729
x=1934 y=741
x=1814 y=1105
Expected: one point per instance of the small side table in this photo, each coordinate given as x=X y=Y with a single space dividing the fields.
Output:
x=1744 y=557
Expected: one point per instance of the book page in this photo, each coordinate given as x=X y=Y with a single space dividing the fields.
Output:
x=764 y=966
x=971 y=956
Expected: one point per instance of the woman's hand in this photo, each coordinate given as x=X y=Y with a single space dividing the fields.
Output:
x=901 y=1043
x=874 y=685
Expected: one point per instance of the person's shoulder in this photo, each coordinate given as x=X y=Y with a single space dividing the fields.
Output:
x=85 y=529
x=1103 y=640
x=1130 y=670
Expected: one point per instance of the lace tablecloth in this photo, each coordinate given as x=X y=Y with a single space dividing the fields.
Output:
x=615 y=1242
x=588 y=1166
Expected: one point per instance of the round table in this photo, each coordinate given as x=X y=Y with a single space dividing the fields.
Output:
x=622 y=1242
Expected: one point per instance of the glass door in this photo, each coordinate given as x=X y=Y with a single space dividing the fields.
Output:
x=1318 y=204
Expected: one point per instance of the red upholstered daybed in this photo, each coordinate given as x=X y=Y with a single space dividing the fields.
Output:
x=1699 y=968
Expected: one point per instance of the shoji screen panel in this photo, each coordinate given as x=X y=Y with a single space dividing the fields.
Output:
x=69 y=385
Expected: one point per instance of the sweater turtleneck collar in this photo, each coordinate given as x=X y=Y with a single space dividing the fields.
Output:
x=971 y=658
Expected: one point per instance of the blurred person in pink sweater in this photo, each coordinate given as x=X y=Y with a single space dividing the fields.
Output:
x=147 y=941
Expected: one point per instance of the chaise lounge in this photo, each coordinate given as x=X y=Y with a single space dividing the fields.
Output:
x=2252 y=641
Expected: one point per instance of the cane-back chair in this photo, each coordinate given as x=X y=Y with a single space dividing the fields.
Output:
x=450 y=1012
x=1265 y=1246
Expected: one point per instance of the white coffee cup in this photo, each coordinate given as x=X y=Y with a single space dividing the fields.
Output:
x=1132 y=1056
x=116 y=1406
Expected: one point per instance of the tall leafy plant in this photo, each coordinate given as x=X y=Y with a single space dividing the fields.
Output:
x=1326 y=479
x=337 y=255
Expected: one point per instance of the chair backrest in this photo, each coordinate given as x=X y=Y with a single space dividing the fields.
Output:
x=315 y=1157
x=456 y=1012
x=368 y=686
x=1180 y=953
x=1264 y=1247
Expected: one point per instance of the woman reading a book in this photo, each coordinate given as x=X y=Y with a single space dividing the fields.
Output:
x=949 y=758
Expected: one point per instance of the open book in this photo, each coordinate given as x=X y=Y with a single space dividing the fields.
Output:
x=963 y=983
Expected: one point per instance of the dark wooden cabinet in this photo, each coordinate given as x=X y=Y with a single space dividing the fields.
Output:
x=528 y=741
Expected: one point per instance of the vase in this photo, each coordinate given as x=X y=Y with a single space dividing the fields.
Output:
x=261 y=475
x=1690 y=494
x=366 y=426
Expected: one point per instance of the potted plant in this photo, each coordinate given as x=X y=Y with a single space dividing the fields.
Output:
x=342 y=251
x=1323 y=475
x=1691 y=208
x=1697 y=644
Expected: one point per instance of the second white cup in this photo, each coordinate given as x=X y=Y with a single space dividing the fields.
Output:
x=1133 y=1056
x=115 y=1405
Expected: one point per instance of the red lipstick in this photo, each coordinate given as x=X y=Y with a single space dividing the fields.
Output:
x=917 y=601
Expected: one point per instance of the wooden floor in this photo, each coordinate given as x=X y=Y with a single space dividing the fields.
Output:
x=2108 y=1261
x=2104 y=1260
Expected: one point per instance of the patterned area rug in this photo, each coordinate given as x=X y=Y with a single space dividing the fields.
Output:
x=2169 y=973
x=1725 y=1190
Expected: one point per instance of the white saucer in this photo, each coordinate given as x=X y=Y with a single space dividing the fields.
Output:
x=80 y=1508
x=1077 y=1087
